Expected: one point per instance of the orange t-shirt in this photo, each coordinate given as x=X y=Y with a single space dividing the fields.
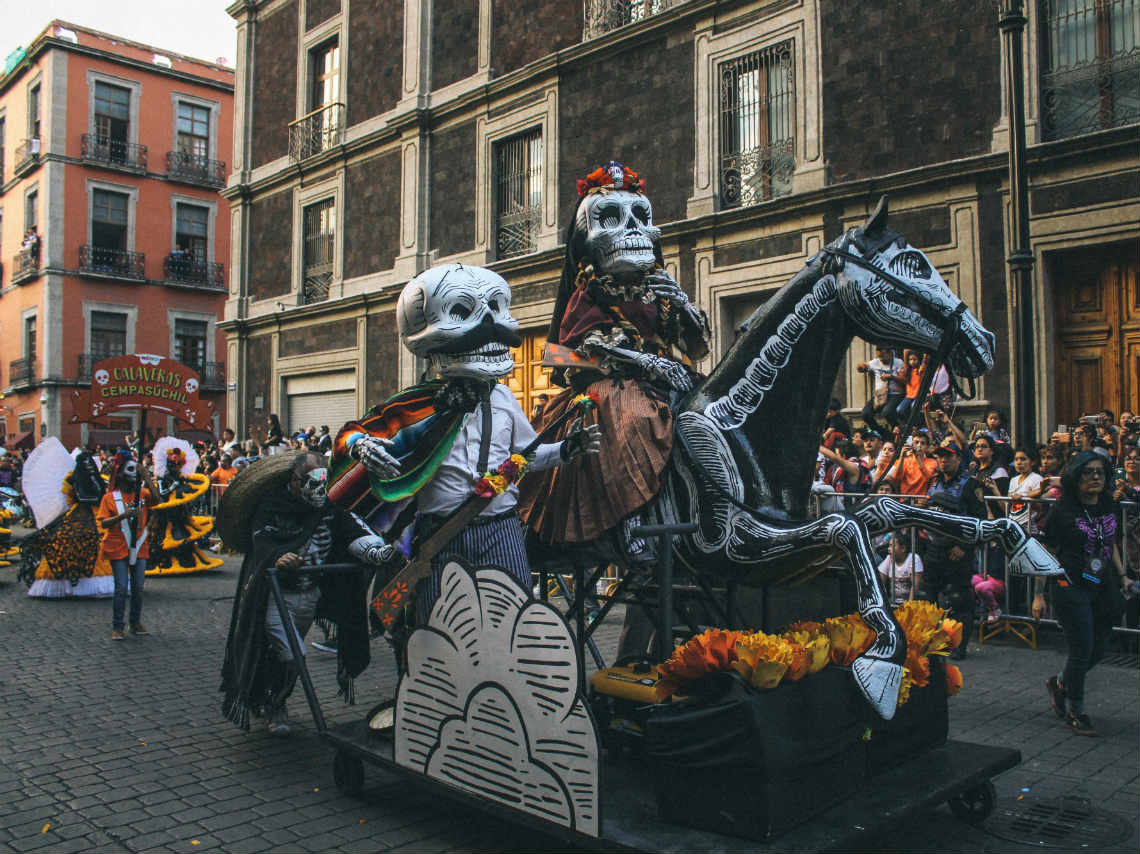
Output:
x=913 y=382
x=223 y=476
x=911 y=478
x=114 y=546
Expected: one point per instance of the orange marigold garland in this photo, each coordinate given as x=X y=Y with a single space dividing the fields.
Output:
x=763 y=659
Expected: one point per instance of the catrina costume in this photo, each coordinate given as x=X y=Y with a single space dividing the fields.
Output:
x=648 y=318
x=174 y=532
x=62 y=558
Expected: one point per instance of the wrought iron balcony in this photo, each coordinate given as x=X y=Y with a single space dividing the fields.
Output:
x=114 y=153
x=87 y=365
x=601 y=16
x=115 y=263
x=180 y=268
x=318 y=131
x=194 y=169
x=25 y=265
x=22 y=372
x=211 y=374
x=27 y=157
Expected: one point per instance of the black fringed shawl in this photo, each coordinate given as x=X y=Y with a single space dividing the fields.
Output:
x=253 y=677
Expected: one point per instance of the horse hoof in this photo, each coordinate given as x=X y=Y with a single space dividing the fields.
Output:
x=880 y=682
x=1033 y=559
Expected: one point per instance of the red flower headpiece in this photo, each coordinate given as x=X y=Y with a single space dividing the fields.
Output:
x=612 y=176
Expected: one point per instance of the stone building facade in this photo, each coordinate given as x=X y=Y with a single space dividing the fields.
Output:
x=112 y=153
x=378 y=137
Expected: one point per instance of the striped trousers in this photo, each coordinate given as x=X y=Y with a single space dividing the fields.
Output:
x=498 y=543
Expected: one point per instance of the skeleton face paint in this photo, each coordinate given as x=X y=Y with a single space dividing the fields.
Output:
x=619 y=232
x=458 y=318
x=312 y=487
x=130 y=472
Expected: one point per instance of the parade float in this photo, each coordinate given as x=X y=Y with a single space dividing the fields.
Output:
x=817 y=735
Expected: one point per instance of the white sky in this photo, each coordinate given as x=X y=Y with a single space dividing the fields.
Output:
x=197 y=28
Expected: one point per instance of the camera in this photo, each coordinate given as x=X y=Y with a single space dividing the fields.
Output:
x=1132 y=425
x=1091 y=420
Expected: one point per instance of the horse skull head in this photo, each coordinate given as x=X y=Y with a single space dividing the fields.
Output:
x=618 y=231
x=458 y=318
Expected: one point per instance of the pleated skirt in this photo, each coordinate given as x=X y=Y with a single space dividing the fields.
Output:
x=580 y=500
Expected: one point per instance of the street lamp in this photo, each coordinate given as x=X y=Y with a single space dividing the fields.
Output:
x=1011 y=22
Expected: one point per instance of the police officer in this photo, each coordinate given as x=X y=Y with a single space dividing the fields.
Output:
x=950 y=564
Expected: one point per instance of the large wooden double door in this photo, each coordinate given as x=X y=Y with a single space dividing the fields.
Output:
x=1097 y=297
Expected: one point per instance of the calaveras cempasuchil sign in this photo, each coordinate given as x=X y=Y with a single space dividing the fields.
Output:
x=142 y=381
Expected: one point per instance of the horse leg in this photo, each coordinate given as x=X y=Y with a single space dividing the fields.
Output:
x=878 y=672
x=1024 y=554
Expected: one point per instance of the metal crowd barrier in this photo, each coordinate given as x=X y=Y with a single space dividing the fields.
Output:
x=1017 y=608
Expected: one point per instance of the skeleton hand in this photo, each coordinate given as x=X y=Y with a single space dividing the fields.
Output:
x=372 y=550
x=374 y=454
x=581 y=441
x=665 y=287
x=671 y=373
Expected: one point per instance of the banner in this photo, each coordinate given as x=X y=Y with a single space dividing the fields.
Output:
x=142 y=381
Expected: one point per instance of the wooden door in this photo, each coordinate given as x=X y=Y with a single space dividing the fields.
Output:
x=529 y=379
x=1097 y=360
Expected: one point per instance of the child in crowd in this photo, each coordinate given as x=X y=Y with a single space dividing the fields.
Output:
x=901 y=570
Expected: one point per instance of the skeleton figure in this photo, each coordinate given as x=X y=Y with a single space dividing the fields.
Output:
x=432 y=443
x=635 y=334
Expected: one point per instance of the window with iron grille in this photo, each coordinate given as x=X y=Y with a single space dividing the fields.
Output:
x=1090 y=60
x=190 y=231
x=112 y=119
x=193 y=130
x=109 y=220
x=108 y=334
x=518 y=193
x=190 y=342
x=757 y=126
x=319 y=235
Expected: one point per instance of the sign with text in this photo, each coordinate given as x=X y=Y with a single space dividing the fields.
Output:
x=142 y=381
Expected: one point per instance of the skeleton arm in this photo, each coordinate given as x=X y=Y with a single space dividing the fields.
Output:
x=655 y=368
x=375 y=454
x=695 y=323
x=371 y=549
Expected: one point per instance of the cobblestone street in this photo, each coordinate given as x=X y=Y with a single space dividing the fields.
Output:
x=121 y=746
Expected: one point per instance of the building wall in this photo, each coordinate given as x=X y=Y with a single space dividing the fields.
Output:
x=375 y=57
x=883 y=114
x=454 y=53
x=275 y=81
x=319 y=11
x=372 y=215
x=270 y=246
x=526 y=30
x=452 y=189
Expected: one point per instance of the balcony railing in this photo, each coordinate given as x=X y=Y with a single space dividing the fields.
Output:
x=194 y=169
x=25 y=266
x=178 y=268
x=601 y=16
x=100 y=261
x=27 y=157
x=318 y=131
x=87 y=362
x=22 y=372
x=114 y=153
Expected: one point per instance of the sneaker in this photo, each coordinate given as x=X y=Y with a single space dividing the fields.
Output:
x=139 y=629
x=1081 y=725
x=277 y=722
x=118 y=634
x=1056 y=696
x=993 y=616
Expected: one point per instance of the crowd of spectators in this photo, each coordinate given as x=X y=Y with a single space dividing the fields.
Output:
x=899 y=450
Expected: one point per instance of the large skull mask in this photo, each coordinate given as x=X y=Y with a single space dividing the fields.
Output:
x=619 y=232
x=459 y=319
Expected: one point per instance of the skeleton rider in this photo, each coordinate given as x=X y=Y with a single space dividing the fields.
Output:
x=626 y=334
x=423 y=450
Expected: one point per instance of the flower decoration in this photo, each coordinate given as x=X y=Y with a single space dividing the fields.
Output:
x=953 y=680
x=612 y=176
x=764 y=659
x=928 y=632
x=850 y=638
x=497 y=482
x=586 y=401
x=816 y=645
x=711 y=651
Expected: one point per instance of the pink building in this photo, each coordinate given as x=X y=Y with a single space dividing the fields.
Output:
x=113 y=237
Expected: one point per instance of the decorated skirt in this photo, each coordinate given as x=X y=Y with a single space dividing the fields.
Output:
x=579 y=501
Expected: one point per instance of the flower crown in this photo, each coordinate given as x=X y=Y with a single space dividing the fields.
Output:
x=612 y=176
x=176 y=455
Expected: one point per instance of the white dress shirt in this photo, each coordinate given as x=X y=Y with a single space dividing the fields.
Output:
x=454 y=480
